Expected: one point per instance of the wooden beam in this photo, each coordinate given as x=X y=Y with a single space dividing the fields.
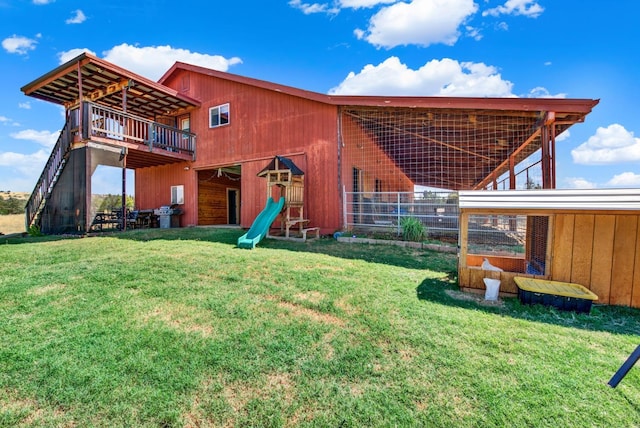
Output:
x=487 y=179
x=422 y=137
x=110 y=89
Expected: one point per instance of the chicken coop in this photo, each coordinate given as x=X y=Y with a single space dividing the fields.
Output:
x=587 y=237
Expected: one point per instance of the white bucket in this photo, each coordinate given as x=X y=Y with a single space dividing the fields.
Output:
x=493 y=287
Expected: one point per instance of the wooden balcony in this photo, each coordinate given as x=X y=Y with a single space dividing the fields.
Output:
x=147 y=143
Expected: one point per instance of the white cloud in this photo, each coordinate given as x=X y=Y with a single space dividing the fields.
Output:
x=71 y=54
x=358 y=4
x=25 y=105
x=29 y=165
x=4 y=120
x=18 y=44
x=564 y=136
x=579 y=183
x=445 y=77
x=528 y=8
x=44 y=138
x=419 y=22
x=78 y=18
x=309 y=8
x=610 y=145
x=153 y=61
x=43 y=1
x=473 y=32
x=541 y=92
x=626 y=179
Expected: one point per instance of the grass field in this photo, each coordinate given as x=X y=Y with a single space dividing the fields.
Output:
x=13 y=223
x=177 y=327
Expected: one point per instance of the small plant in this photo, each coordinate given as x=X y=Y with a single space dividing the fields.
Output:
x=34 y=230
x=413 y=229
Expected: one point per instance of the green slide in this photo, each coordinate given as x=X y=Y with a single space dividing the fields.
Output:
x=261 y=224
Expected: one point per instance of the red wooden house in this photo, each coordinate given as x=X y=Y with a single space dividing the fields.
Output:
x=198 y=138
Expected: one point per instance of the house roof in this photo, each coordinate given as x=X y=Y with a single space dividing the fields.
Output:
x=470 y=140
x=557 y=199
x=102 y=82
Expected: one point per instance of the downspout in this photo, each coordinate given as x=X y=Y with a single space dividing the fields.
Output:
x=341 y=188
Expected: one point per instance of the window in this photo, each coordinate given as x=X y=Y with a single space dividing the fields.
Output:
x=219 y=116
x=177 y=195
x=518 y=243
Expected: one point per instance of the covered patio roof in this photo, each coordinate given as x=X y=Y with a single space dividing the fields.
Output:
x=464 y=143
x=103 y=82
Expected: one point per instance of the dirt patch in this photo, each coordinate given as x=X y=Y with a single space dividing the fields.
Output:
x=473 y=297
x=35 y=415
x=298 y=310
x=182 y=318
x=46 y=289
x=311 y=296
x=344 y=305
x=276 y=385
x=312 y=314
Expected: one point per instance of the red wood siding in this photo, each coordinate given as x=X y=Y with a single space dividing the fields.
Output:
x=263 y=124
x=153 y=189
x=363 y=153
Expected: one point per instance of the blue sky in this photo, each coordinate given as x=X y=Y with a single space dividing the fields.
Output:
x=523 y=48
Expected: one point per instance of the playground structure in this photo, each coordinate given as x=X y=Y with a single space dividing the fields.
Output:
x=284 y=174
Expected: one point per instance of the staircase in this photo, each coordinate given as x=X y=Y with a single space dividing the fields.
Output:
x=50 y=174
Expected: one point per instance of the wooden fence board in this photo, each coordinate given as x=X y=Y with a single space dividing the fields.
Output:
x=563 y=247
x=623 y=259
x=582 y=249
x=604 y=230
x=635 y=293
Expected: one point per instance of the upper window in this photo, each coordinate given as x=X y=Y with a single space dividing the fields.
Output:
x=219 y=115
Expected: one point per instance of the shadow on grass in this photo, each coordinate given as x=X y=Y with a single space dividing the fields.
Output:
x=383 y=254
x=611 y=319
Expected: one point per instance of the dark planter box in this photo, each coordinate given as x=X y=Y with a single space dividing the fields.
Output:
x=561 y=295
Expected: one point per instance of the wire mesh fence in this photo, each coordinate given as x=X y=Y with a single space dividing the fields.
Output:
x=384 y=211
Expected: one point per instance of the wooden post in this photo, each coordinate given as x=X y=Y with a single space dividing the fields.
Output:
x=123 y=158
x=512 y=172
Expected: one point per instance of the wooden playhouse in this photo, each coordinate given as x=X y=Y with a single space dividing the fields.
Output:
x=587 y=237
x=283 y=174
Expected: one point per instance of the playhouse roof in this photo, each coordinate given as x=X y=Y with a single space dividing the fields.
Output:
x=279 y=163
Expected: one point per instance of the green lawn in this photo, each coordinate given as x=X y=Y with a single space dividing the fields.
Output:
x=180 y=328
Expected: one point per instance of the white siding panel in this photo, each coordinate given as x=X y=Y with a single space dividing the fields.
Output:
x=558 y=199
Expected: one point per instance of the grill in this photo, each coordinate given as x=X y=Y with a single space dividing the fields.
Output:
x=168 y=216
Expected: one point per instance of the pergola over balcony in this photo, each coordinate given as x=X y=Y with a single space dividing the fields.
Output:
x=109 y=105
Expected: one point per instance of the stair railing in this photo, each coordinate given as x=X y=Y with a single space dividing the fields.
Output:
x=50 y=174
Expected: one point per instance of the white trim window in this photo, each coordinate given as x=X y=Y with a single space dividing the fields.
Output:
x=177 y=195
x=219 y=116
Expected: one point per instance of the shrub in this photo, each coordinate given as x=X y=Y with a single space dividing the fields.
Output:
x=34 y=230
x=413 y=229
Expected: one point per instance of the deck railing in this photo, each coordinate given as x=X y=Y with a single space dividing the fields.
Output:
x=49 y=175
x=104 y=122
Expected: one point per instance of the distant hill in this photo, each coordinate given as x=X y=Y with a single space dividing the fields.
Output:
x=7 y=194
x=12 y=202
